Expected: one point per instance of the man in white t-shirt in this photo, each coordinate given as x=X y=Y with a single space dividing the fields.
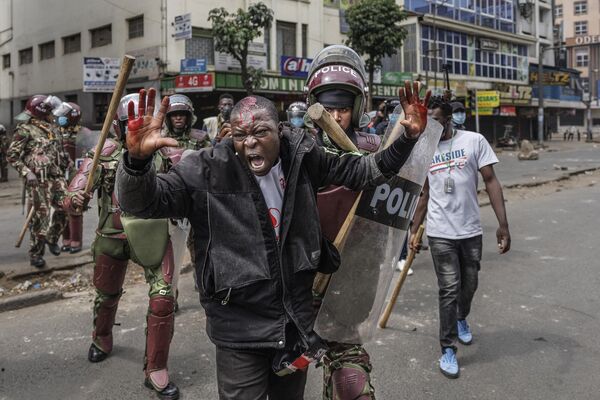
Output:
x=449 y=200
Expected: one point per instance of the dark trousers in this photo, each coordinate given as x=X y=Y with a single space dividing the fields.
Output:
x=248 y=375
x=457 y=264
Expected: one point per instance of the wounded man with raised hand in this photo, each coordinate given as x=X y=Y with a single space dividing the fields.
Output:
x=251 y=202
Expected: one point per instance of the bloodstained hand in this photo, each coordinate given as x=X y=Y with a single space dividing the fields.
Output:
x=415 y=110
x=144 y=131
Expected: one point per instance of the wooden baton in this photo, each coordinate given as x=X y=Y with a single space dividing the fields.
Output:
x=126 y=66
x=409 y=260
x=321 y=117
x=25 y=226
x=330 y=127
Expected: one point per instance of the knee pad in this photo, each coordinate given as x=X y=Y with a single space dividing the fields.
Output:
x=351 y=382
x=109 y=274
x=162 y=306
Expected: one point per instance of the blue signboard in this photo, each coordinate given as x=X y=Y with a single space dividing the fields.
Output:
x=295 y=66
x=193 y=66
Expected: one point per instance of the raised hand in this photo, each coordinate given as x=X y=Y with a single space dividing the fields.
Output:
x=143 y=132
x=415 y=111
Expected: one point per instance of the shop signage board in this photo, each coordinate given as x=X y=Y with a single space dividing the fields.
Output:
x=100 y=74
x=295 y=66
x=487 y=99
x=194 y=83
x=192 y=66
x=183 y=26
x=257 y=58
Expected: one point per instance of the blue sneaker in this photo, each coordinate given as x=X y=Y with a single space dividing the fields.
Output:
x=449 y=364
x=464 y=332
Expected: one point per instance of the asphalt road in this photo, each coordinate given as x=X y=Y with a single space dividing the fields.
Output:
x=535 y=323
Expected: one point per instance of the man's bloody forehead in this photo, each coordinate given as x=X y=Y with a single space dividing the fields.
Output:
x=247 y=106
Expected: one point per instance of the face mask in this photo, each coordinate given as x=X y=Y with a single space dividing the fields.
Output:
x=458 y=118
x=297 y=122
x=63 y=121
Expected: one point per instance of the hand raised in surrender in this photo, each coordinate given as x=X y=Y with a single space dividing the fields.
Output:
x=144 y=131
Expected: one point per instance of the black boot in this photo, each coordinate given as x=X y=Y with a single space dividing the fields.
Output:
x=74 y=250
x=170 y=392
x=95 y=354
x=54 y=248
x=65 y=249
x=37 y=261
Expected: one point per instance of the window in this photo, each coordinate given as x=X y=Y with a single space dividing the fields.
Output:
x=582 y=58
x=101 y=101
x=71 y=98
x=304 y=40
x=136 y=26
x=101 y=36
x=581 y=28
x=47 y=50
x=580 y=7
x=201 y=45
x=286 y=39
x=26 y=56
x=558 y=11
x=72 y=44
x=6 y=61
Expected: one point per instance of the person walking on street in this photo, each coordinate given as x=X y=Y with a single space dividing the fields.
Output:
x=37 y=153
x=257 y=273
x=449 y=199
x=3 y=150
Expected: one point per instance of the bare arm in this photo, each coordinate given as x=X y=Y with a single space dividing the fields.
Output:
x=494 y=190
x=419 y=217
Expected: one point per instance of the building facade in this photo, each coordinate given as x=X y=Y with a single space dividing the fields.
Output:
x=578 y=32
x=481 y=45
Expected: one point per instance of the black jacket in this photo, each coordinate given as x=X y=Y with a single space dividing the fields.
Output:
x=250 y=285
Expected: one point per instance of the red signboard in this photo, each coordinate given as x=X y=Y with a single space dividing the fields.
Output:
x=194 y=83
x=508 y=111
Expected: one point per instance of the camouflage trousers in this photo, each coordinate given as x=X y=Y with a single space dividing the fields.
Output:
x=348 y=356
x=44 y=197
x=118 y=249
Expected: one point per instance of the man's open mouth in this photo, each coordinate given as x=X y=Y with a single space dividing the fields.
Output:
x=255 y=161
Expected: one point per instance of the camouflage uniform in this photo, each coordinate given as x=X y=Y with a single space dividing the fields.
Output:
x=120 y=238
x=72 y=234
x=343 y=358
x=3 y=150
x=37 y=147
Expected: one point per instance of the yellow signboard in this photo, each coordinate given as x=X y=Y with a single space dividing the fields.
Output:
x=488 y=99
x=485 y=111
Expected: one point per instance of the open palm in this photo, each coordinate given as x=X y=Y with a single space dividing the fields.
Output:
x=143 y=131
x=415 y=111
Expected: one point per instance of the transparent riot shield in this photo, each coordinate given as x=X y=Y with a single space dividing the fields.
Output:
x=356 y=293
x=85 y=140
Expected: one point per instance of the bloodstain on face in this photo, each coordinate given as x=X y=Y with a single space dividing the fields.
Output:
x=246 y=116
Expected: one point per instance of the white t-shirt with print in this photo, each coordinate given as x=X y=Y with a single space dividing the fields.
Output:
x=272 y=186
x=456 y=215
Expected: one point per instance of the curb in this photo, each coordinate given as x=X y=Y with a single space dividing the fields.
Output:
x=53 y=264
x=29 y=299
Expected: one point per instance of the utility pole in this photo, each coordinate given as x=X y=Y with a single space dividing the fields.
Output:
x=540 y=83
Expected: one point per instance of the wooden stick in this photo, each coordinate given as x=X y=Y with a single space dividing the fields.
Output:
x=330 y=127
x=25 y=226
x=321 y=117
x=409 y=260
x=126 y=66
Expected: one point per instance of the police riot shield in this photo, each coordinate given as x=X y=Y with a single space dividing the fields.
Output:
x=356 y=293
x=85 y=140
